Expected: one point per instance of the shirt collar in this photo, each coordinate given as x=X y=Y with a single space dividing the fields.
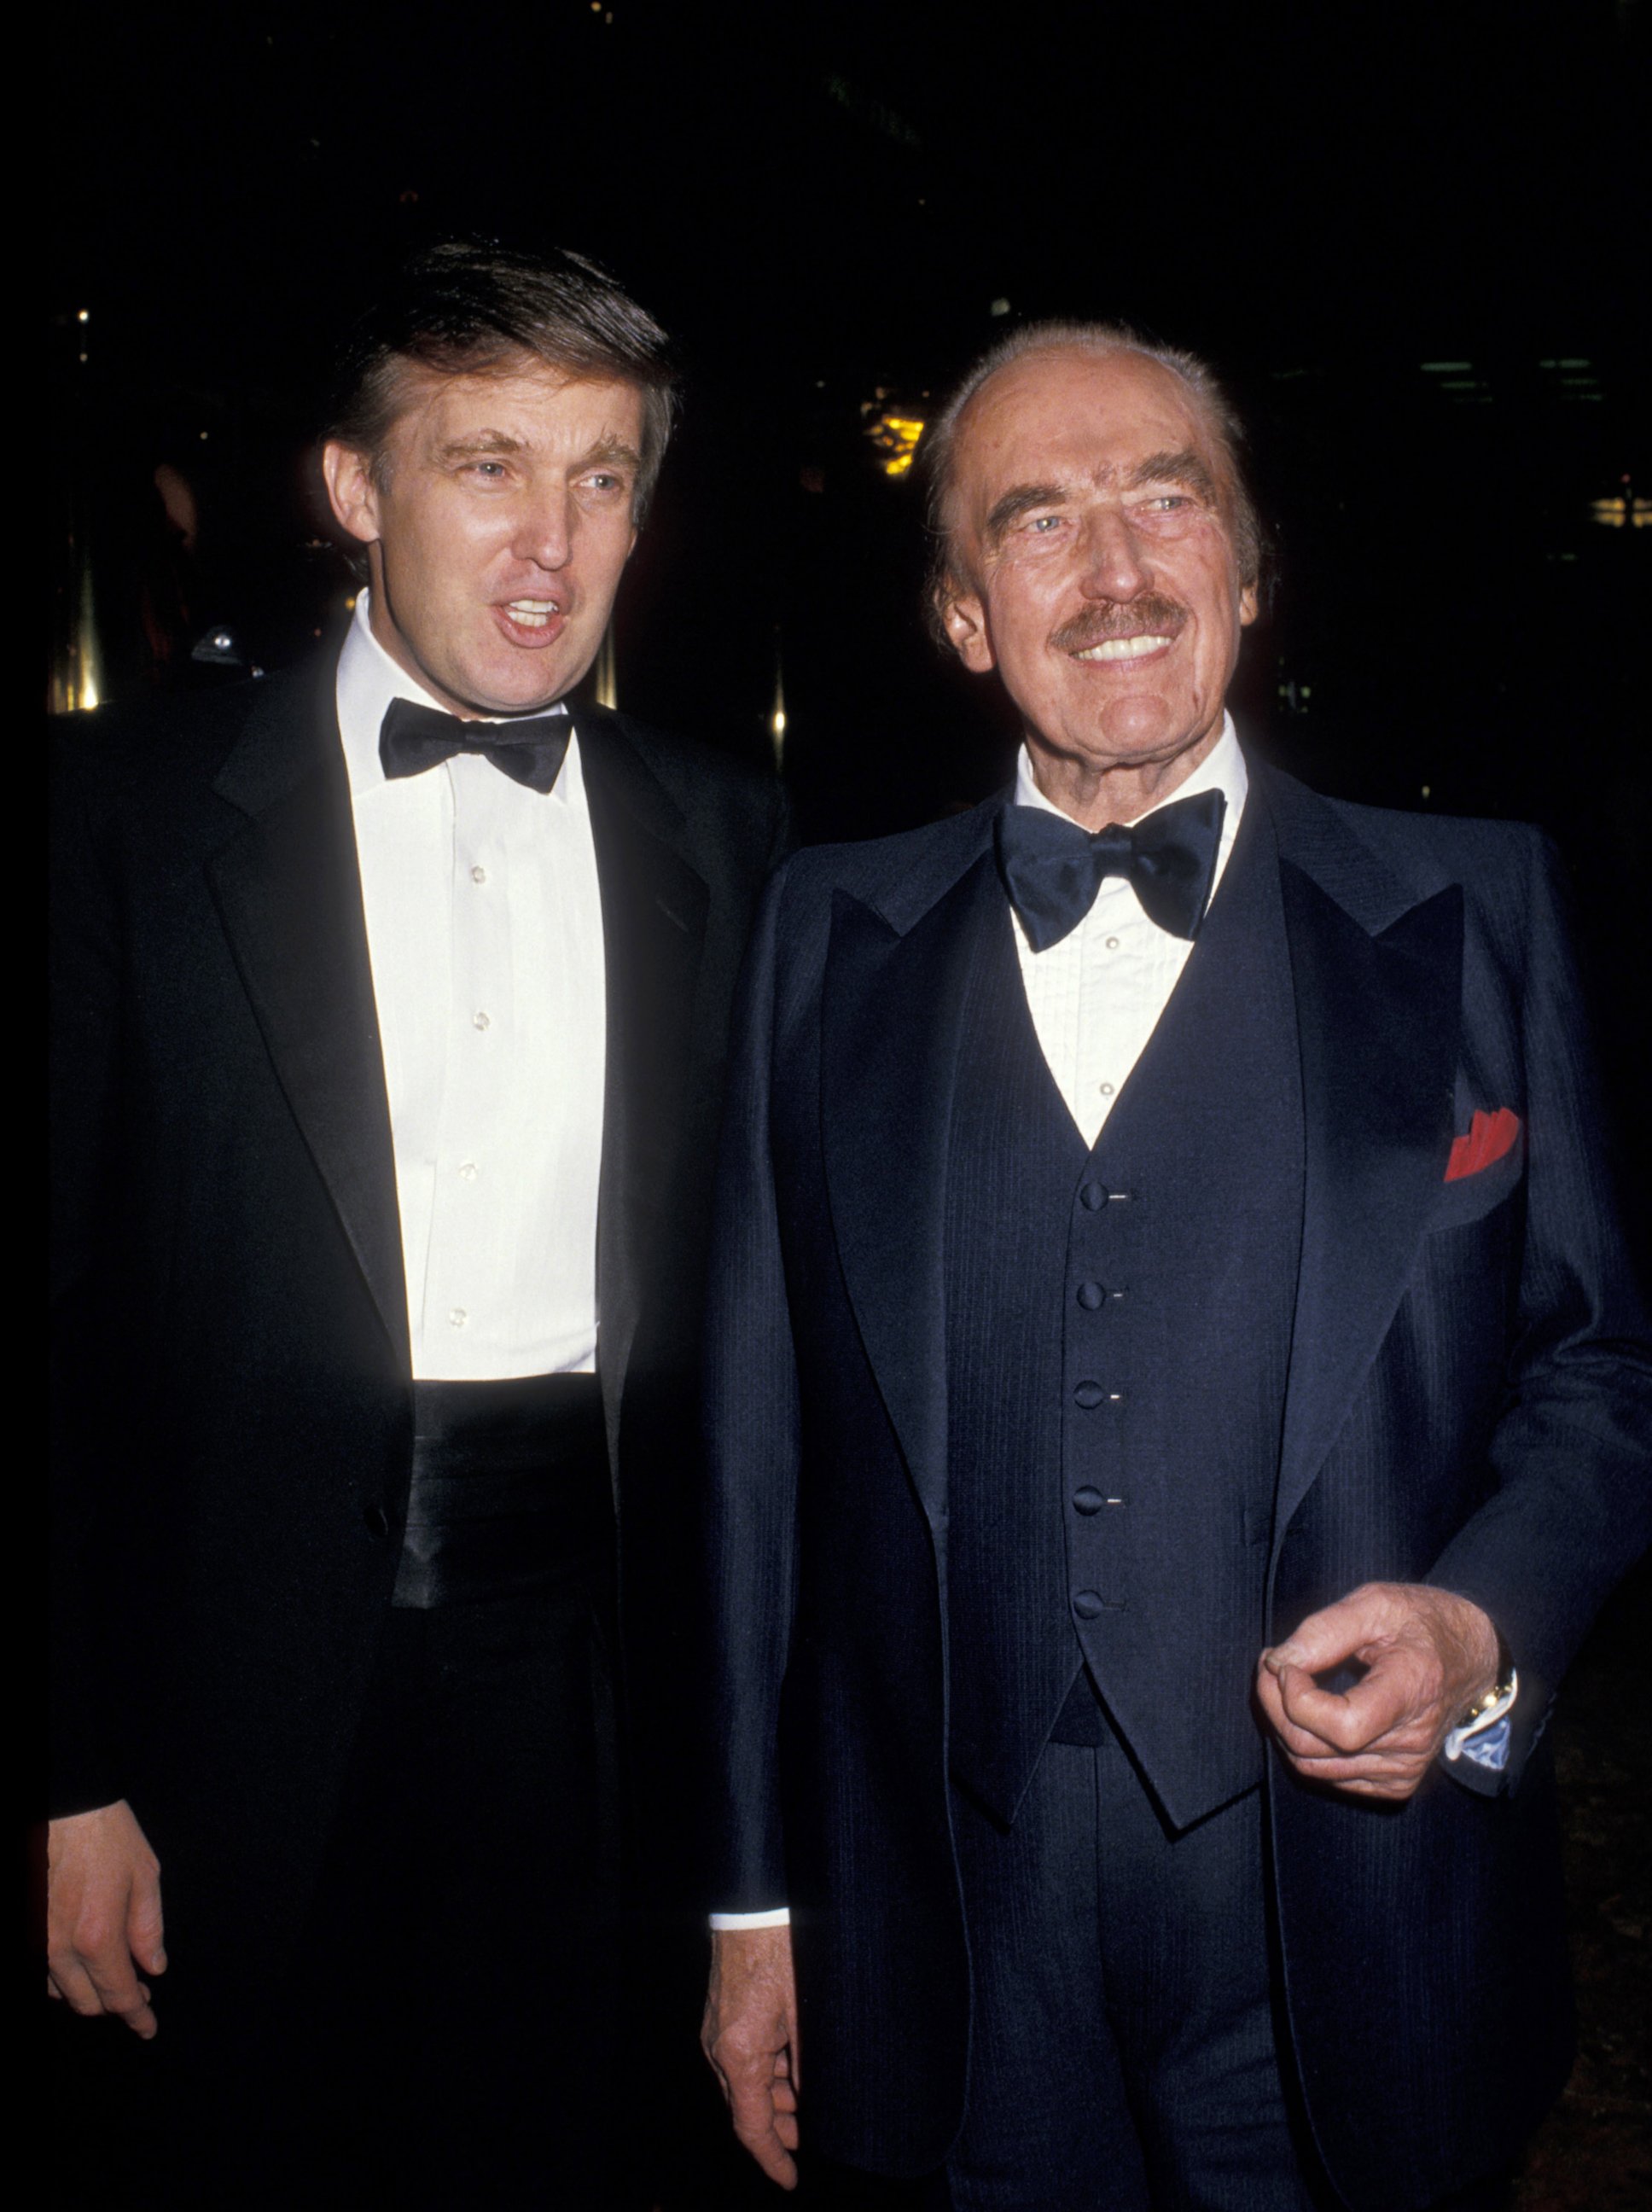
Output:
x=1222 y=769
x=368 y=679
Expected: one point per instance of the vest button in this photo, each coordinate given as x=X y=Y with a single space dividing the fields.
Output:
x=1090 y=1295
x=1087 y=1604
x=1088 y=1500
x=377 y=1521
x=1088 y=1395
x=1092 y=1197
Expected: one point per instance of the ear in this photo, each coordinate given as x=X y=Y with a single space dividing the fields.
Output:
x=1248 y=604
x=351 y=492
x=964 y=619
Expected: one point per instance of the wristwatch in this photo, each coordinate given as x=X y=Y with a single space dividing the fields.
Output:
x=1487 y=1711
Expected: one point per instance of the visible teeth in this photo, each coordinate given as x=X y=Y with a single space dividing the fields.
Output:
x=1122 y=649
x=533 y=613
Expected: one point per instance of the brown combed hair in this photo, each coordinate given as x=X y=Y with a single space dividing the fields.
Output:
x=466 y=307
x=935 y=454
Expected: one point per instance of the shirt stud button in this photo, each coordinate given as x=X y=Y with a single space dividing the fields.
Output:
x=457 y=1317
x=478 y=875
x=467 y=1169
x=479 y=1021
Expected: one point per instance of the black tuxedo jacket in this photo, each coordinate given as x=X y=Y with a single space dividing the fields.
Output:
x=1468 y=1401
x=232 y=1393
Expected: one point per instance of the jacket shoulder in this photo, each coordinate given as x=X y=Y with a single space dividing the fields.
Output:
x=1390 y=858
x=701 y=780
x=1453 y=842
x=899 y=875
x=165 y=743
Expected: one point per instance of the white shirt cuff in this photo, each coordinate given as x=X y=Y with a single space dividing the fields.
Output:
x=779 y=1916
x=1486 y=1740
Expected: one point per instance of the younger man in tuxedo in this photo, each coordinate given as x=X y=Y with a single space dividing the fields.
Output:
x=390 y=1011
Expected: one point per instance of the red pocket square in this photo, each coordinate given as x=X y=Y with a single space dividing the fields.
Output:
x=1490 y=1136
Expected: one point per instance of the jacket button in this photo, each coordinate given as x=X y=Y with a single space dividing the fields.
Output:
x=1088 y=1500
x=377 y=1521
x=1088 y=1395
x=1090 y=1295
x=1092 y=1197
x=1087 y=1604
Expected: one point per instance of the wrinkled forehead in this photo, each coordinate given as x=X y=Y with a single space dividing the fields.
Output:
x=1072 y=418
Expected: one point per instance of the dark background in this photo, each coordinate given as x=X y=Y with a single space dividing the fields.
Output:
x=1412 y=238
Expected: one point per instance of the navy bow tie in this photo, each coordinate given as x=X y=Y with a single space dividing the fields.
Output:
x=412 y=738
x=1051 y=869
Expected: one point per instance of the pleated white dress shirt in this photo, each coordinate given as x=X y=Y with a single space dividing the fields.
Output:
x=1096 y=997
x=484 y=931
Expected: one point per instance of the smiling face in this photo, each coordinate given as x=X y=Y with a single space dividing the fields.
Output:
x=1093 y=559
x=497 y=526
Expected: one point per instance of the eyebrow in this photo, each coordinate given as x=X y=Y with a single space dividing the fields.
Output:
x=483 y=441
x=608 y=452
x=1182 y=467
x=1019 y=500
x=614 y=452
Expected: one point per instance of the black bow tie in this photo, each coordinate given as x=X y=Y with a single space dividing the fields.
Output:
x=1053 y=869
x=412 y=738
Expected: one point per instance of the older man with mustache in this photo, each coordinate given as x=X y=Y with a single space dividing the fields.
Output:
x=1177 y=1401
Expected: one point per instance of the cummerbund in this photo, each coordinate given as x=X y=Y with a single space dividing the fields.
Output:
x=510 y=1488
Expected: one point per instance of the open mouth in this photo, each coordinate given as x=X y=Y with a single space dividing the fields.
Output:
x=532 y=614
x=1125 y=649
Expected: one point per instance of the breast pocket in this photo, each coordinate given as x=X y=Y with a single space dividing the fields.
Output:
x=1470 y=1197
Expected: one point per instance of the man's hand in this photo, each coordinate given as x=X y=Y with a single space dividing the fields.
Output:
x=1430 y=1656
x=103 y=1914
x=750 y=2034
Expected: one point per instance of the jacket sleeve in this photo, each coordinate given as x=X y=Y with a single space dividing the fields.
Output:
x=751 y=1406
x=1572 y=1455
x=84 y=1768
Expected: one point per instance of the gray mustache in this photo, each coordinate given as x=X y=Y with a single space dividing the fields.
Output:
x=1109 y=619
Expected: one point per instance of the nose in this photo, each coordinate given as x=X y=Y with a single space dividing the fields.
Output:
x=545 y=528
x=1115 y=565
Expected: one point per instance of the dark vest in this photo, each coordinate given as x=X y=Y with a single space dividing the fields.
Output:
x=1118 y=1330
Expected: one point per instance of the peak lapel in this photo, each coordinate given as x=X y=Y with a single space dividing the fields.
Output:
x=288 y=893
x=890 y=1025
x=1377 y=978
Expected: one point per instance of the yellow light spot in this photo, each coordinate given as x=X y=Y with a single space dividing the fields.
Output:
x=84 y=316
x=896 y=437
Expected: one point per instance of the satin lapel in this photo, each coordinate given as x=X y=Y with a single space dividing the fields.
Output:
x=1378 y=1012
x=288 y=893
x=890 y=1024
x=654 y=917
